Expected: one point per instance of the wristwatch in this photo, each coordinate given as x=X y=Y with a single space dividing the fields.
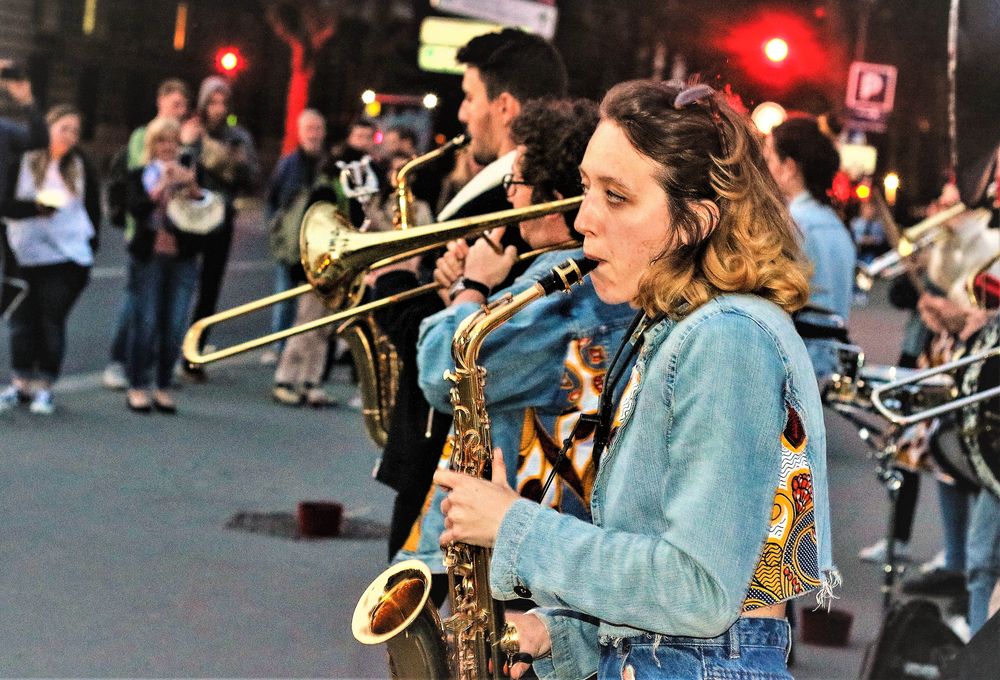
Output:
x=465 y=283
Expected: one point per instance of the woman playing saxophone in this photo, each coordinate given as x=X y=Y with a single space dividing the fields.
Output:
x=710 y=505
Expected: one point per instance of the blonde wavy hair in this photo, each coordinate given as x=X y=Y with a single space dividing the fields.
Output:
x=158 y=129
x=733 y=233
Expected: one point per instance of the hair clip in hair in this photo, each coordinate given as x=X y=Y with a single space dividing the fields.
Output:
x=690 y=95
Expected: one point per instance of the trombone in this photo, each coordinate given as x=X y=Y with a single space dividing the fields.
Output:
x=336 y=258
x=897 y=417
x=911 y=241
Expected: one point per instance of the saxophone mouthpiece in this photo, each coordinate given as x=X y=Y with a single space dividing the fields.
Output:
x=566 y=275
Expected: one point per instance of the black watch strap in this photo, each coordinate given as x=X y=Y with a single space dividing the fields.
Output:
x=465 y=283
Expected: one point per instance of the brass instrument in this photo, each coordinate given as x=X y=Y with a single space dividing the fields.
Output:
x=891 y=412
x=911 y=241
x=970 y=281
x=404 y=195
x=336 y=258
x=337 y=274
x=475 y=642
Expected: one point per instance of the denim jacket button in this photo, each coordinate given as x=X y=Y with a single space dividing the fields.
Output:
x=522 y=591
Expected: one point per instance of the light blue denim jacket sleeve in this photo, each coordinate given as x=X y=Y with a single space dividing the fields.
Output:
x=682 y=502
x=525 y=361
x=539 y=333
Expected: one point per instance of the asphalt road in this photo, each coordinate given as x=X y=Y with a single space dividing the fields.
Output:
x=116 y=556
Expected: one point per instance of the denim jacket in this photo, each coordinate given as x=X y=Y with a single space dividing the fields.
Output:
x=828 y=245
x=714 y=481
x=544 y=367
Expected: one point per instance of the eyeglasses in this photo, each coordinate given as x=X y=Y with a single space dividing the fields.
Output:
x=508 y=181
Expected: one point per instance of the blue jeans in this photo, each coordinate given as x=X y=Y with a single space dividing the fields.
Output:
x=283 y=313
x=161 y=290
x=983 y=556
x=753 y=649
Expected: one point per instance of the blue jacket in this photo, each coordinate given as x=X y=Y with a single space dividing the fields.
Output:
x=828 y=245
x=544 y=367
x=293 y=173
x=711 y=499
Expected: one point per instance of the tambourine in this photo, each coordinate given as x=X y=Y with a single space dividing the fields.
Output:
x=197 y=216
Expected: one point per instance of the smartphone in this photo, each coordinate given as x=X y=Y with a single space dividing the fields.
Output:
x=12 y=72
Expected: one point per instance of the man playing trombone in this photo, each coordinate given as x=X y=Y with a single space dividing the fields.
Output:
x=503 y=71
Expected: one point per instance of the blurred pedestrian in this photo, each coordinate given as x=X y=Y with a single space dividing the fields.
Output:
x=163 y=267
x=227 y=154
x=382 y=219
x=53 y=211
x=173 y=97
x=16 y=137
x=287 y=196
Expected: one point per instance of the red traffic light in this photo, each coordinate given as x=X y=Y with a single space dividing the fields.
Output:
x=228 y=60
x=776 y=50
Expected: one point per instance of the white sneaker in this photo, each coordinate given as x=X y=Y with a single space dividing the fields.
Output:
x=936 y=562
x=9 y=398
x=42 y=404
x=113 y=377
x=355 y=402
x=876 y=552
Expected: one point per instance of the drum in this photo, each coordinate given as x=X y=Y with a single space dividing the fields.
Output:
x=968 y=442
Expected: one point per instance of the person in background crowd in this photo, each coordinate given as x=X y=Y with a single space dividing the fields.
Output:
x=803 y=161
x=463 y=169
x=868 y=233
x=53 y=213
x=399 y=140
x=287 y=194
x=226 y=152
x=15 y=138
x=173 y=97
x=163 y=268
x=382 y=219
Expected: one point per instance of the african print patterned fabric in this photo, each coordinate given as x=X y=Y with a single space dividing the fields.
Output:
x=542 y=436
x=789 y=563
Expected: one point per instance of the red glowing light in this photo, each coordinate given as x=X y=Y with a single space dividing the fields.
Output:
x=776 y=50
x=228 y=60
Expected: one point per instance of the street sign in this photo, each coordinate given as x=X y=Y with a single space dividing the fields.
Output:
x=534 y=17
x=440 y=38
x=871 y=87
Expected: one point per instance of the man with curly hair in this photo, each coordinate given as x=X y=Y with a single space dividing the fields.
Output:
x=546 y=365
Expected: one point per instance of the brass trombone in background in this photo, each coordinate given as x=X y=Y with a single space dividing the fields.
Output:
x=911 y=241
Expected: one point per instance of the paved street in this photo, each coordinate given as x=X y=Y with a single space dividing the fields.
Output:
x=116 y=559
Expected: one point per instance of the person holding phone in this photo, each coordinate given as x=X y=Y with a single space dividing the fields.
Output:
x=163 y=269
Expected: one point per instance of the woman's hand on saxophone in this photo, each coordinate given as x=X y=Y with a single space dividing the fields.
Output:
x=532 y=639
x=475 y=507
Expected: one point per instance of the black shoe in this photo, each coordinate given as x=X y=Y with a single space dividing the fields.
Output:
x=939 y=582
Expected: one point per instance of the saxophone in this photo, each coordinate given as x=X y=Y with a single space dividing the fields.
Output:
x=375 y=357
x=474 y=642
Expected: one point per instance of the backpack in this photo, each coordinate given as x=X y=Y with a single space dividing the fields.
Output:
x=116 y=188
x=284 y=227
x=914 y=642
